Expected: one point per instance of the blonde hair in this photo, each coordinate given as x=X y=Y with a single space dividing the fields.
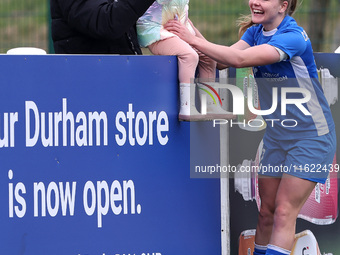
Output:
x=245 y=22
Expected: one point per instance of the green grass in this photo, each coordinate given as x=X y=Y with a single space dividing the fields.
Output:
x=216 y=20
x=25 y=22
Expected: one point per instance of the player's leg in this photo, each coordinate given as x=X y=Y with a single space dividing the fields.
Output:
x=291 y=195
x=297 y=184
x=271 y=156
x=268 y=187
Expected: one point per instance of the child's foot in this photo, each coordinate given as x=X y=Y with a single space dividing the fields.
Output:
x=204 y=117
x=195 y=117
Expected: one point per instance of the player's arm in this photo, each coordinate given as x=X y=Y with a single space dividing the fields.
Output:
x=241 y=45
x=228 y=56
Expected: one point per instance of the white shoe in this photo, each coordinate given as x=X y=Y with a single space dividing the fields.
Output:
x=188 y=111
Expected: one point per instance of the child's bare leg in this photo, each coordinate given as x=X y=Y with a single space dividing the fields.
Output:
x=207 y=74
x=206 y=67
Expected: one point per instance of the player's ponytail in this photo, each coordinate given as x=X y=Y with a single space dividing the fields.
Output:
x=292 y=4
x=244 y=22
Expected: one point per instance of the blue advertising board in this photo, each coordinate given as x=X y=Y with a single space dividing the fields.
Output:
x=93 y=160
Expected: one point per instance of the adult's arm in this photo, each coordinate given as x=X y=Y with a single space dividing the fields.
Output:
x=108 y=19
x=241 y=45
x=238 y=57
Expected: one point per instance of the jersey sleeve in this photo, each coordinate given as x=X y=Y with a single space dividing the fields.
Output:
x=249 y=36
x=293 y=43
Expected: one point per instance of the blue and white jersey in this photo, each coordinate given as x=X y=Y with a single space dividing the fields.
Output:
x=297 y=71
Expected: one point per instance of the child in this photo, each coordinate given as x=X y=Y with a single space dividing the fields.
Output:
x=152 y=34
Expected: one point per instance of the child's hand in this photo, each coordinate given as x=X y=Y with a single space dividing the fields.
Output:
x=180 y=30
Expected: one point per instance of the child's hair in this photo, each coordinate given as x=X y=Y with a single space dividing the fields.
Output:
x=245 y=22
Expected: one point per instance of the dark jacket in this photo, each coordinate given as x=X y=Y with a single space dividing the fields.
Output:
x=96 y=26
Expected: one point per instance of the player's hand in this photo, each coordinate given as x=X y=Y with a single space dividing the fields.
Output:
x=197 y=32
x=180 y=30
